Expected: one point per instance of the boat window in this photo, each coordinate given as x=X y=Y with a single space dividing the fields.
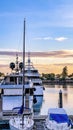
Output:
x=36 y=84
x=13 y=80
x=29 y=91
x=32 y=71
x=35 y=71
x=20 y=80
x=26 y=82
x=25 y=71
x=33 y=77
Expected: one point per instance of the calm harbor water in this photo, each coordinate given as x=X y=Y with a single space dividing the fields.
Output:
x=50 y=99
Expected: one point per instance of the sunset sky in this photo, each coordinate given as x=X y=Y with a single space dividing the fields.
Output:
x=49 y=33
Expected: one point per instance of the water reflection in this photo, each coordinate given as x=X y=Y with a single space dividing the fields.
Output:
x=65 y=94
x=50 y=99
x=9 y=102
x=37 y=107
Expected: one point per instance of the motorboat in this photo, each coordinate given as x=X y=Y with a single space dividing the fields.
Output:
x=57 y=119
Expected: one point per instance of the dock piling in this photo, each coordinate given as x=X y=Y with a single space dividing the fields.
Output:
x=60 y=99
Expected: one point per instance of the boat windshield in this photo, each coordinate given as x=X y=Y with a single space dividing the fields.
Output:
x=13 y=80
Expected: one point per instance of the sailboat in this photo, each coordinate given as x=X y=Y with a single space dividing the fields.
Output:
x=24 y=119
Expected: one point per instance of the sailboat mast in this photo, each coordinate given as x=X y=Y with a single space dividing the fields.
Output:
x=23 y=65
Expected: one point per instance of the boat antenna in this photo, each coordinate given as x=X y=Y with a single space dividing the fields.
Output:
x=17 y=62
x=23 y=72
x=29 y=60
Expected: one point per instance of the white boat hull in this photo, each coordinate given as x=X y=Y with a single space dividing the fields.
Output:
x=13 y=128
x=15 y=124
x=12 y=90
x=51 y=125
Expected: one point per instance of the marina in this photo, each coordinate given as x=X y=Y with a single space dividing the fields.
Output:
x=36 y=65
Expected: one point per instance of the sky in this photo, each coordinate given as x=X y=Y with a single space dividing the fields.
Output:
x=49 y=33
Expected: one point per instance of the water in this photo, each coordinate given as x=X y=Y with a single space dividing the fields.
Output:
x=50 y=99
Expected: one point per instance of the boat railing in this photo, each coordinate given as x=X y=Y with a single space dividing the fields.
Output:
x=37 y=80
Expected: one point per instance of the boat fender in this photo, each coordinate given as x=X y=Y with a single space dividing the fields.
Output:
x=34 y=89
x=43 y=88
x=34 y=100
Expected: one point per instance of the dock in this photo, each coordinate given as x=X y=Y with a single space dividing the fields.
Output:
x=39 y=121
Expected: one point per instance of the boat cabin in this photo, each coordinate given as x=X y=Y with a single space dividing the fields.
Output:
x=13 y=80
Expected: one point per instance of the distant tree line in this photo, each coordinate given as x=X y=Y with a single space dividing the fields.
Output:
x=63 y=76
x=2 y=74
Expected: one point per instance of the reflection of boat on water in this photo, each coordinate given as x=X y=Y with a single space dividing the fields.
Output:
x=37 y=106
x=9 y=102
x=24 y=119
x=57 y=119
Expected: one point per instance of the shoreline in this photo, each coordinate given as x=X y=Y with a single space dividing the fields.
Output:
x=59 y=82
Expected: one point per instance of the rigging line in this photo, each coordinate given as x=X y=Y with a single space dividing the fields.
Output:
x=23 y=71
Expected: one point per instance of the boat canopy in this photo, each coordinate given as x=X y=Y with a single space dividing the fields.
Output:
x=59 y=115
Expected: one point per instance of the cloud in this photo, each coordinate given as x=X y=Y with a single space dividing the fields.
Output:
x=12 y=50
x=60 y=39
x=2 y=65
x=43 y=38
x=10 y=53
x=63 y=64
x=54 y=54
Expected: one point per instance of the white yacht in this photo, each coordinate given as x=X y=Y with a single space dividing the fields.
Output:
x=12 y=83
